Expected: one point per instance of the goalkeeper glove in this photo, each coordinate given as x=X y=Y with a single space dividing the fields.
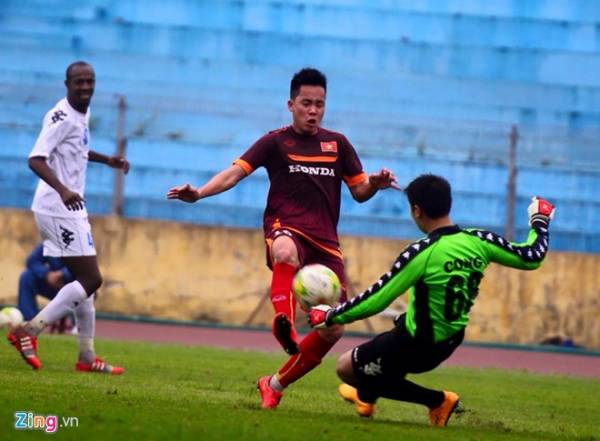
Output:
x=540 y=212
x=317 y=317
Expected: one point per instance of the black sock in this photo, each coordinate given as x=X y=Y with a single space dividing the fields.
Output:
x=404 y=390
x=367 y=394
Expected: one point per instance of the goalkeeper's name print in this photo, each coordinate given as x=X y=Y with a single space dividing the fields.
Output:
x=458 y=264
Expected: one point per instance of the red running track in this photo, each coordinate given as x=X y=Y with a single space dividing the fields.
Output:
x=470 y=356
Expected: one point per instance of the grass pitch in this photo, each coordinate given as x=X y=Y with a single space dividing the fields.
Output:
x=172 y=392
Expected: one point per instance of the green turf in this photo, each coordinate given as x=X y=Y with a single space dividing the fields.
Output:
x=172 y=392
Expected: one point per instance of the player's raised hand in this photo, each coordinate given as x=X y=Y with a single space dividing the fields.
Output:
x=118 y=162
x=317 y=317
x=185 y=193
x=72 y=200
x=384 y=179
x=540 y=212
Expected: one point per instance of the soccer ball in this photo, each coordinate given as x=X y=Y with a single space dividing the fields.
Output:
x=316 y=285
x=10 y=316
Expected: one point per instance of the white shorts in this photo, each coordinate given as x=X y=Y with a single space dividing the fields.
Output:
x=65 y=237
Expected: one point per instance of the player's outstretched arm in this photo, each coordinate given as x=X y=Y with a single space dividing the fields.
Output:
x=72 y=200
x=117 y=162
x=377 y=181
x=219 y=183
x=527 y=255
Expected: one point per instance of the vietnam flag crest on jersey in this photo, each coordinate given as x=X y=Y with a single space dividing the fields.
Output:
x=329 y=146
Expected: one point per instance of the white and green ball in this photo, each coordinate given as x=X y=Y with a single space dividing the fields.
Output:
x=10 y=316
x=316 y=284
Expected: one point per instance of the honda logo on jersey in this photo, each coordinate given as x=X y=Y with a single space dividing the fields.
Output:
x=318 y=171
x=329 y=146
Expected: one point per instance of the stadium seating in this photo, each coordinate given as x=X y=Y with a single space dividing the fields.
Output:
x=416 y=86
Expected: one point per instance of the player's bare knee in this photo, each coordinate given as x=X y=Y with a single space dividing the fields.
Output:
x=332 y=333
x=285 y=255
x=284 y=250
x=91 y=284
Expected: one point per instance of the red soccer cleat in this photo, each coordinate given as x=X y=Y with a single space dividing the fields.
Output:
x=284 y=332
x=11 y=338
x=99 y=366
x=269 y=397
x=26 y=345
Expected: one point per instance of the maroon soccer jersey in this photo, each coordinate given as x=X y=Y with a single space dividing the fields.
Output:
x=306 y=172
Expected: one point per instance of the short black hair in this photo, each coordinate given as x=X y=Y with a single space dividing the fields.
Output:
x=307 y=77
x=73 y=65
x=432 y=193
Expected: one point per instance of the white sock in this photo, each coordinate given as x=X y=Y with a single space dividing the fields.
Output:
x=275 y=384
x=69 y=297
x=85 y=319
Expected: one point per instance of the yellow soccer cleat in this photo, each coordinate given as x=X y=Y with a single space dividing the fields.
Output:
x=439 y=416
x=350 y=394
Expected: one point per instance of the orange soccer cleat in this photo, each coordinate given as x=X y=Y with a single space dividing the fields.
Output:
x=350 y=394
x=439 y=416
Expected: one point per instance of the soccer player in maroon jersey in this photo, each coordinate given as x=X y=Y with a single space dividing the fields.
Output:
x=306 y=165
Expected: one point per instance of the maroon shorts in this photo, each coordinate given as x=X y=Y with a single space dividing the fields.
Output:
x=310 y=251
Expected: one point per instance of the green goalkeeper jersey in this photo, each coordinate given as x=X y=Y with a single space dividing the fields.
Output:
x=443 y=272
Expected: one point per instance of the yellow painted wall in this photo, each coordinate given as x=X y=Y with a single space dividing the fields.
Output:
x=183 y=271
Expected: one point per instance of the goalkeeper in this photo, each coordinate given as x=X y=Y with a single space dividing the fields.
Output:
x=443 y=271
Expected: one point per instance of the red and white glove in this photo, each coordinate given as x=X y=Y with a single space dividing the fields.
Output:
x=540 y=212
x=317 y=316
